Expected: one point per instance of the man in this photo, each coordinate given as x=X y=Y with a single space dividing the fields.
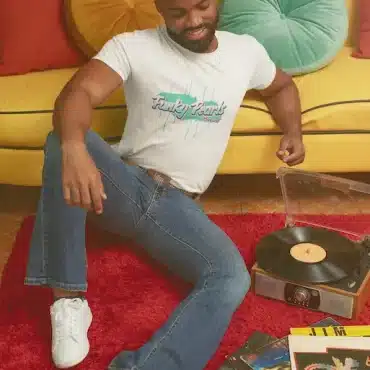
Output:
x=184 y=83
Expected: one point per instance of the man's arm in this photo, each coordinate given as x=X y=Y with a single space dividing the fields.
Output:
x=282 y=99
x=281 y=96
x=89 y=87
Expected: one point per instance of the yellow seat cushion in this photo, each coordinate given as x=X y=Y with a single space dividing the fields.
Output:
x=91 y=23
x=335 y=98
x=26 y=108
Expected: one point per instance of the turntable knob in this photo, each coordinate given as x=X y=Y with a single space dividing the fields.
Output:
x=301 y=294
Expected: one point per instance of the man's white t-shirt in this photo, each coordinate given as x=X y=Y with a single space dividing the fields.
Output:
x=182 y=105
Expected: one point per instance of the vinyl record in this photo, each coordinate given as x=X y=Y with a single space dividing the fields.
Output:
x=309 y=255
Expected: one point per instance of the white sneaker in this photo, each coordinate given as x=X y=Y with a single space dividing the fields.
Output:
x=70 y=322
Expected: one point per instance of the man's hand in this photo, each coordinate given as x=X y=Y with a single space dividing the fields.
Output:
x=82 y=184
x=291 y=150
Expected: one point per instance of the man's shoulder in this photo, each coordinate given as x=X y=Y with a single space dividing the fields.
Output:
x=138 y=36
x=244 y=39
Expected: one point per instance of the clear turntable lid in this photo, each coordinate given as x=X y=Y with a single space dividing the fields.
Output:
x=319 y=200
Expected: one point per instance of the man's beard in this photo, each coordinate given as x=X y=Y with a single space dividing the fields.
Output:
x=197 y=46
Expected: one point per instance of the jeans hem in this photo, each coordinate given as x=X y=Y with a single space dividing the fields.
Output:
x=55 y=284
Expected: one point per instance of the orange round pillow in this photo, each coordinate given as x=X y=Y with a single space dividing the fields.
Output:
x=91 y=23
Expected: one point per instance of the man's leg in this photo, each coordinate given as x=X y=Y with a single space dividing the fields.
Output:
x=175 y=232
x=171 y=227
x=57 y=256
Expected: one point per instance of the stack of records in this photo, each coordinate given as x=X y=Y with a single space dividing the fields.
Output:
x=325 y=345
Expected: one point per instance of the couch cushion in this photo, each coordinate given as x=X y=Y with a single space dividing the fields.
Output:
x=33 y=37
x=362 y=47
x=111 y=17
x=26 y=104
x=336 y=98
x=300 y=36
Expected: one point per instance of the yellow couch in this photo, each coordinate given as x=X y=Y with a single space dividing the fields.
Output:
x=336 y=121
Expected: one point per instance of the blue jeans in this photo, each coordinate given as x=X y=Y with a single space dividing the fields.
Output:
x=171 y=227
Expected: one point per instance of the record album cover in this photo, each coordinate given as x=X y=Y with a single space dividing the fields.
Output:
x=251 y=353
x=351 y=357
x=328 y=321
x=275 y=355
x=329 y=353
x=255 y=341
x=327 y=361
x=272 y=356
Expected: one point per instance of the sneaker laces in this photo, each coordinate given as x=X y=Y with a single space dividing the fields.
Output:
x=66 y=317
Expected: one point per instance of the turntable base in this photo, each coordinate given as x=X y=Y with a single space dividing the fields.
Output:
x=345 y=298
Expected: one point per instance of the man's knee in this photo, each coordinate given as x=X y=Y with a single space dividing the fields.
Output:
x=234 y=278
x=52 y=152
x=52 y=147
x=238 y=286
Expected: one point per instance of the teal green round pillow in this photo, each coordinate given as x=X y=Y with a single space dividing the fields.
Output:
x=301 y=36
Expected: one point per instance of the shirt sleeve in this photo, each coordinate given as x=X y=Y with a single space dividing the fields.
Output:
x=264 y=68
x=114 y=55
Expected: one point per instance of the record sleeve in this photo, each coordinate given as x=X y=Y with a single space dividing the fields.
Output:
x=255 y=341
x=272 y=356
x=328 y=361
x=351 y=357
x=337 y=330
x=328 y=321
x=316 y=349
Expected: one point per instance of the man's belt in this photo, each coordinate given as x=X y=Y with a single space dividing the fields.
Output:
x=163 y=179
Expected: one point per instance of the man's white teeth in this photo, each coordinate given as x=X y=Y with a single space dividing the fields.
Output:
x=195 y=32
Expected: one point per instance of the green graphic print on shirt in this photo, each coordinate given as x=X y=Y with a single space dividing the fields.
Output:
x=186 y=107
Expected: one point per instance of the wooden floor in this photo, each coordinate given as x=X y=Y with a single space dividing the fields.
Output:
x=227 y=194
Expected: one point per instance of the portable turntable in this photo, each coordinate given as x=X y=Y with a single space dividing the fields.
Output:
x=318 y=261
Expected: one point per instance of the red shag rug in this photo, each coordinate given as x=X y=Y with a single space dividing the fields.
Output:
x=131 y=297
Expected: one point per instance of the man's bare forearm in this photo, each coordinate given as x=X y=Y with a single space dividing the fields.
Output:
x=72 y=115
x=285 y=108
